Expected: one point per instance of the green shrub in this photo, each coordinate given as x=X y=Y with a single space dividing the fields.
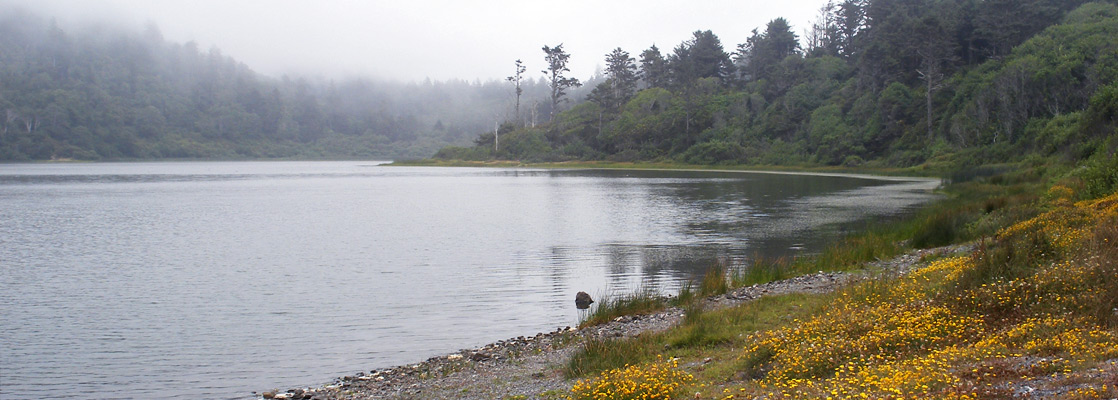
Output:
x=462 y=153
x=1100 y=177
x=714 y=152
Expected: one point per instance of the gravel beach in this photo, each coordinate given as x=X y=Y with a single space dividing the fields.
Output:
x=529 y=367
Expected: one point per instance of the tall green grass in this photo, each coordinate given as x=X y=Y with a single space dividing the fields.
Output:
x=687 y=295
x=714 y=281
x=761 y=270
x=598 y=355
x=642 y=301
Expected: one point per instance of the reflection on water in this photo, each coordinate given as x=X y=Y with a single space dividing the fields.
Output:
x=186 y=280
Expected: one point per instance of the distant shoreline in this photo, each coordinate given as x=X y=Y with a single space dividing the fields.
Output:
x=838 y=172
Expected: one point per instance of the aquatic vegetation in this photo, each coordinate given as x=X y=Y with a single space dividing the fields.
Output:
x=661 y=379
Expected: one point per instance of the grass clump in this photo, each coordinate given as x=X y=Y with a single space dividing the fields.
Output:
x=853 y=251
x=942 y=229
x=762 y=270
x=686 y=295
x=642 y=301
x=598 y=355
x=714 y=281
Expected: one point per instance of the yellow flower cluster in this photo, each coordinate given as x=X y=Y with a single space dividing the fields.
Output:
x=946 y=269
x=1064 y=336
x=1000 y=297
x=1088 y=392
x=906 y=339
x=1060 y=194
x=659 y=380
x=1065 y=225
x=901 y=347
x=854 y=334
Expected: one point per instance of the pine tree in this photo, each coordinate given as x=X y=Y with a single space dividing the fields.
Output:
x=654 y=68
x=516 y=80
x=557 y=80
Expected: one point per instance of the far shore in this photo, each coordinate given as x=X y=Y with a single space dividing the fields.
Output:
x=888 y=174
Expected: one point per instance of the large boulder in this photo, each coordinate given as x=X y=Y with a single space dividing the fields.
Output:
x=583 y=300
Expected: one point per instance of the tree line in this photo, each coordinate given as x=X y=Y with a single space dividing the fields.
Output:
x=895 y=82
x=109 y=93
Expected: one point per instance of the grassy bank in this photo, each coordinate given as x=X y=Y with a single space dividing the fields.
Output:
x=1033 y=309
x=805 y=168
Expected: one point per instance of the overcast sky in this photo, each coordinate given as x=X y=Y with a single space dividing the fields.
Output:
x=412 y=40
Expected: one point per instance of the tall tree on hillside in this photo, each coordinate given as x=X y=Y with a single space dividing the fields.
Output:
x=906 y=41
x=936 y=52
x=850 y=20
x=516 y=79
x=654 y=68
x=621 y=80
x=696 y=66
x=700 y=57
x=820 y=38
x=1003 y=24
x=886 y=51
x=556 y=75
x=763 y=52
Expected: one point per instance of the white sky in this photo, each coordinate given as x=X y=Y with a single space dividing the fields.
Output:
x=411 y=40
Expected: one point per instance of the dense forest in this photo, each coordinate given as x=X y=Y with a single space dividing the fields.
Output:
x=100 y=92
x=884 y=82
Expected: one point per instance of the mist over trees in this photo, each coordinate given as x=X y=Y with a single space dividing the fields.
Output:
x=893 y=82
x=106 y=93
x=890 y=82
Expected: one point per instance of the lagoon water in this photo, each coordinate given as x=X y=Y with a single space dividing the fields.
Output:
x=215 y=279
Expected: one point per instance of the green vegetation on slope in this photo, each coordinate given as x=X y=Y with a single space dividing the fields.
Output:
x=949 y=84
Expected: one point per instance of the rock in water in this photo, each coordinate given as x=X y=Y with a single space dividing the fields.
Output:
x=583 y=300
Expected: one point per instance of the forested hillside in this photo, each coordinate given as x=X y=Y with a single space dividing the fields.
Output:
x=886 y=82
x=98 y=92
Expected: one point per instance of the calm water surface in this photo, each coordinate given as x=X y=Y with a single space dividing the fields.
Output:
x=211 y=280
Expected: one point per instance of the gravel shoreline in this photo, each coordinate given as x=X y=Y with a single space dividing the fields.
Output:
x=529 y=367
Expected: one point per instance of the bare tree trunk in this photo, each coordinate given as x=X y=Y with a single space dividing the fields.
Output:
x=599 y=124
x=535 y=111
x=10 y=116
x=31 y=123
x=932 y=77
x=928 y=96
x=554 y=107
